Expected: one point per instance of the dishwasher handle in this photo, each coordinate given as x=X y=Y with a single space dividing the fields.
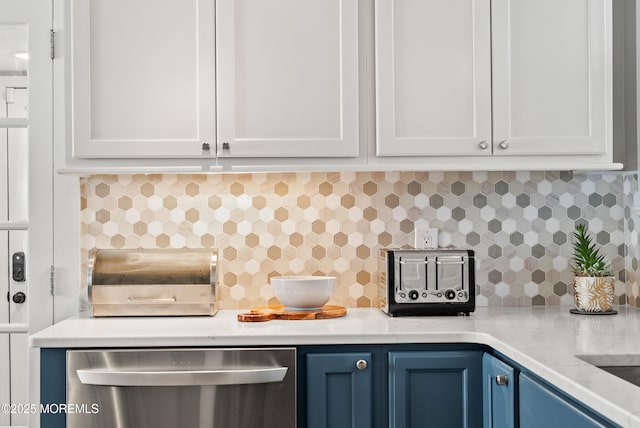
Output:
x=107 y=377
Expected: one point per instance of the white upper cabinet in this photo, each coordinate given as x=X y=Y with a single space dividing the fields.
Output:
x=339 y=84
x=155 y=78
x=287 y=78
x=433 y=77
x=551 y=68
x=506 y=77
x=142 y=78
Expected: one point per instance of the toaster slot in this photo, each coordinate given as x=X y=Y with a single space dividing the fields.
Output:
x=413 y=276
x=450 y=272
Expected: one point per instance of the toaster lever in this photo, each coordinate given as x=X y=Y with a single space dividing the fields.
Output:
x=449 y=262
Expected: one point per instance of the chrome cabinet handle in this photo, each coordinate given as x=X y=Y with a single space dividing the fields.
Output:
x=502 y=380
x=361 y=364
x=504 y=145
x=483 y=145
x=181 y=377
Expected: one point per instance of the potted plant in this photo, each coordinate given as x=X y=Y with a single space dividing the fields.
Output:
x=594 y=281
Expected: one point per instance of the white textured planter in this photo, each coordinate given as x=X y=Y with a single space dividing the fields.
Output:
x=594 y=294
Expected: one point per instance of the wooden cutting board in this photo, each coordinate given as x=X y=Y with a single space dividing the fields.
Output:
x=279 y=312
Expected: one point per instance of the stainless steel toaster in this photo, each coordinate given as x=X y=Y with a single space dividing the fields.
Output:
x=427 y=282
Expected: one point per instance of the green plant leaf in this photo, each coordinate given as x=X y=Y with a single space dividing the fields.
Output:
x=587 y=260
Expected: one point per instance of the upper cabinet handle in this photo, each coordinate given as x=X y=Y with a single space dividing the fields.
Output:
x=504 y=145
x=483 y=145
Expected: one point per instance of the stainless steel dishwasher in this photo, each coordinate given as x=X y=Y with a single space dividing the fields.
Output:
x=213 y=388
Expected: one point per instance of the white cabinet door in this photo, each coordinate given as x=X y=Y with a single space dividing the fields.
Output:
x=509 y=78
x=142 y=78
x=433 y=77
x=287 y=78
x=551 y=76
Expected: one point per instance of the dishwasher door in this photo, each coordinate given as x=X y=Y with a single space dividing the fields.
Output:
x=213 y=388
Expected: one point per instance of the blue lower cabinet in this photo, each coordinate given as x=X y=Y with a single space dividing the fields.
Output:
x=398 y=386
x=339 y=390
x=542 y=407
x=435 y=389
x=499 y=393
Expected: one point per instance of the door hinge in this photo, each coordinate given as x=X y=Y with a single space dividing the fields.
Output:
x=53 y=43
x=52 y=279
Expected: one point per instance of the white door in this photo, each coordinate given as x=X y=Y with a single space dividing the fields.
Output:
x=287 y=78
x=142 y=78
x=25 y=195
x=13 y=234
x=433 y=77
x=552 y=76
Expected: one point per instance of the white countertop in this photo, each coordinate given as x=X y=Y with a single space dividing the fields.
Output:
x=545 y=340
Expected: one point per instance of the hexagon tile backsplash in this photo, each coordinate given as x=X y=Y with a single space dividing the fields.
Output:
x=518 y=223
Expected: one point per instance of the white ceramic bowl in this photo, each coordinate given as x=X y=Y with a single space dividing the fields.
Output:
x=303 y=293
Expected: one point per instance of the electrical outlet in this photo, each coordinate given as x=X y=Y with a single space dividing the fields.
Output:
x=425 y=237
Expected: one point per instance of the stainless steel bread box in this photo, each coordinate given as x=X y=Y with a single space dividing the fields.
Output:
x=427 y=282
x=155 y=282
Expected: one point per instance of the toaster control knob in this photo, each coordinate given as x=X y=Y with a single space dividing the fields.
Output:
x=413 y=294
x=450 y=294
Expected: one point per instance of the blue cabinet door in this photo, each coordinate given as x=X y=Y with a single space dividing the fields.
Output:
x=435 y=389
x=339 y=390
x=542 y=407
x=499 y=389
